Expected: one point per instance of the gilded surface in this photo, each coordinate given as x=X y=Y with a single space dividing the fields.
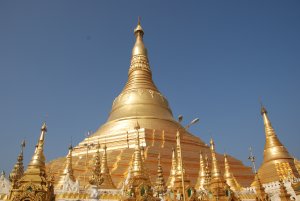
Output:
x=277 y=163
x=34 y=185
x=141 y=101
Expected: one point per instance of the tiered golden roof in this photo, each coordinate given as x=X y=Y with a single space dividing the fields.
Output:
x=277 y=163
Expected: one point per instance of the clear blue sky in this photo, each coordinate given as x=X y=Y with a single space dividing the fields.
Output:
x=211 y=59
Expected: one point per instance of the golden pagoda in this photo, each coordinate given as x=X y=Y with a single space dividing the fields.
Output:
x=140 y=100
x=68 y=171
x=172 y=175
x=207 y=174
x=217 y=183
x=107 y=181
x=277 y=163
x=228 y=176
x=34 y=185
x=160 y=186
x=96 y=179
x=201 y=175
x=18 y=169
x=181 y=182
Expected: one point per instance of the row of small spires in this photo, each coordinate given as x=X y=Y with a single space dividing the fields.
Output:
x=101 y=171
x=18 y=168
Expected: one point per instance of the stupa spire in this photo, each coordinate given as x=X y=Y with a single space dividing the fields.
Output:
x=273 y=147
x=137 y=168
x=107 y=181
x=181 y=182
x=217 y=183
x=145 y=99
x=207 y=173
x=35 y=177
x=277 y=161
x=96 y=178
x=228 y=176
x=18 y=169
x=38 y=158
x=201 y=175
x=68 y=171
x=139 y=74
x=160 y=187
x=67 y=182
x=215 y=170
x=171 y=179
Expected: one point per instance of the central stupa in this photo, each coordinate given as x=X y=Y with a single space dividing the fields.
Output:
x=141 y=101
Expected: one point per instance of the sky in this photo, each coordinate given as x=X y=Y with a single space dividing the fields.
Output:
x=64 y=62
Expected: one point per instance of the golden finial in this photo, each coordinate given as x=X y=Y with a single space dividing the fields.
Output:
x=96 y=178
x=207 y=174
x=137 y=168
x=18 y=169
x=107 y=181
x=139 y=47
x=160 y=187
x=171 y=179
x=228 y=176
x=68 y=171
x=201 y=175
x=262 y=108
x=69 y=168
x=180 y=181
x=139 y=27
x=44 y=127
x=215 y=171
x=104 y=166
x=38 y=158
x=217 y=183
x=212 y=144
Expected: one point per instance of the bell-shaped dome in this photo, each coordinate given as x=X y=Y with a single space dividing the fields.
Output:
x=140 y=96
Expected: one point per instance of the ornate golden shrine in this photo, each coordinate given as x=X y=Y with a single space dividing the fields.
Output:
x=140 y=129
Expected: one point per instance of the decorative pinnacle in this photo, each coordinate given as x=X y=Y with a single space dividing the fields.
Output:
x=212 y=144
x=263 y=110
x=44 y=127
x=139 y=28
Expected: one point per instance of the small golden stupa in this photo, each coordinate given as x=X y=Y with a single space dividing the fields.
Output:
x=278 y=164
x=141 y=101
x=34 y=184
